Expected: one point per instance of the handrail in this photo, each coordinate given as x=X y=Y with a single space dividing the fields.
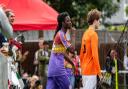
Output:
x=120 y=71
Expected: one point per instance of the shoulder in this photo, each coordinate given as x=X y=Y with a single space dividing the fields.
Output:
x=37 y=52
x=1 y=11
x=93 y=35
x=61 y=33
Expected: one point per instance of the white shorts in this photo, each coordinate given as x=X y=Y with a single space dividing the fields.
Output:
x=89 y=81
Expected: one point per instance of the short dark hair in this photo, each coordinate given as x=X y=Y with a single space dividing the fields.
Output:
x=94 y=14
x=8 y=12
x=45 y=43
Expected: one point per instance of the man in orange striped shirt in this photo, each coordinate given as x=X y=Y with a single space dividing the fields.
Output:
x=89 y=59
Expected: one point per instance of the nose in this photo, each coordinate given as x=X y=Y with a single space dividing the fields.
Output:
x=70 y=22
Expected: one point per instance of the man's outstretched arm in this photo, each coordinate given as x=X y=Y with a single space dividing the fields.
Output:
x=5 y=26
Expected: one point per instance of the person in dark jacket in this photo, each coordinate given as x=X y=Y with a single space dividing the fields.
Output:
x=110 y=65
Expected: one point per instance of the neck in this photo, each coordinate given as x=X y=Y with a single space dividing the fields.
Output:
x=64 y=29
x=93 y=26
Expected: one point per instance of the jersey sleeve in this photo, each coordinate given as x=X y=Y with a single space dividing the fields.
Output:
x=64 y=40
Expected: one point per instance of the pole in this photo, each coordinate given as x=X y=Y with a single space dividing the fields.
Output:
x=125 y=54
x=116 y=75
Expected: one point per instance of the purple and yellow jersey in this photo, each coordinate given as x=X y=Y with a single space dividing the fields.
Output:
x=56 y=64
x=60 y=43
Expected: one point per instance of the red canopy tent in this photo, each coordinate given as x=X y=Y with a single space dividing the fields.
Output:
x=31 y=14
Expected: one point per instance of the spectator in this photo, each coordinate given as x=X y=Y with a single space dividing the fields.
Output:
x=110 y=65
x=77 y=73
x=7 y=32
x=41 y=60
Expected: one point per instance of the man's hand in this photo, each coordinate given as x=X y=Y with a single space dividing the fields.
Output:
x=26 y=53
x=100 y=76
x=36 y=62
x=4 y=51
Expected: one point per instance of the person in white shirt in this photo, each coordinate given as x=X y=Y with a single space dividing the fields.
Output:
x=7 y=31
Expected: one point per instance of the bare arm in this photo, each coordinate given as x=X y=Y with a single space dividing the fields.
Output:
x=67 y=46
x=5 y=26
x=66 y=57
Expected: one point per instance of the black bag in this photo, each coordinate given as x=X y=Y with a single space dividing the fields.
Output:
x=107 y=78
x=105 y=82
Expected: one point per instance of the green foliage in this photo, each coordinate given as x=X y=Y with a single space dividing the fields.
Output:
x=117 y=28
x=126 y=9
x=78 y=9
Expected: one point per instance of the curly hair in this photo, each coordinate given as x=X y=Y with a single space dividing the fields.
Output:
x=94 y=14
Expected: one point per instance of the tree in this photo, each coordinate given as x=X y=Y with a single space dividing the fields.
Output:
x=126 y=10
x=78 y=9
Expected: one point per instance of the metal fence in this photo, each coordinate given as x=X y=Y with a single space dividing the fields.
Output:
x=104 y=36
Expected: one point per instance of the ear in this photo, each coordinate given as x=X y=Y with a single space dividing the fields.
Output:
x=95 y=21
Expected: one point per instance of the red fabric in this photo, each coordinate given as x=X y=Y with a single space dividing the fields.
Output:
x=16 y=43
x=32 y=14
